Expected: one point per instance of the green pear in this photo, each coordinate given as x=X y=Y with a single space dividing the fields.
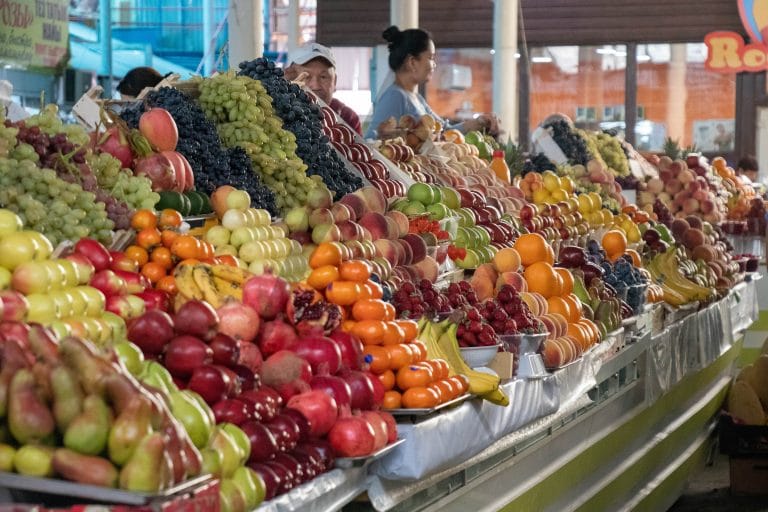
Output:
x=241 y=439
x=129 y=428
x=232 y=498
x=67 y=396
x=88 y=432
x=203 y=405
x=144 y=470
x=155 y=375
x=196 y=421
x=251 y=485
x=130 y=355
x=34 y=460
x=231 y=455
x=7 y=452
x=211 y=462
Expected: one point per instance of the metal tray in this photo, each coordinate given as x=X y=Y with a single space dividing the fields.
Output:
x=430 y=410
x=57 y=487
x=358 y=462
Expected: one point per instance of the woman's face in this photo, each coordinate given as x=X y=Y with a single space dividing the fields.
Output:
x=424 y=64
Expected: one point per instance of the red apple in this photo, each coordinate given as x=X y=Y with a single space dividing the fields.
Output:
x=210 y=382
x=185 y=353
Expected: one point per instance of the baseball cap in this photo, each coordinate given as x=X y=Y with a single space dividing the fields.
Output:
x=311 y=51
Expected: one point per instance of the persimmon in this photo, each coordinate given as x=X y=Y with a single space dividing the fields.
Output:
x=387 y=379
x=137 y=254
x=392 y=400
x=148 y=238
x=419 y=397
x=143 y=219
x=410 y=329
x=369 y=309
x=162 y=256
x=167 y=284
x=167 y=236
x=325 y=253
x=393 y=334
x=355 y=270
x=370 y=332
x=342 y=293
x=185 y=247
x=412 y=376
x=169 y=218
x=379 y=360
x=399 y=356
x=321 y=277
x=153 y=271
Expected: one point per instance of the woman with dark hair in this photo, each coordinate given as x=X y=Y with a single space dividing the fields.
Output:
x=412 y=60
x=136 y=80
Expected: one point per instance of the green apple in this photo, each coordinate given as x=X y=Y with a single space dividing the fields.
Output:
x=231 y=454
x=217 y=235
x=472 y=260
x=196 y=421
x=7 y=451
x=43 y=246
x=242 y=236
x=70 y=271
x=42 y=309
x=252 y=251
x=5 y=278
x=451 y=198
x=251 y=485
x=239 y=437
x=263 y=218
x=60 y=329
x=94 y=298
x=131 y=355
x=118 y=329
x=414 y=208
x=211 y=462
x=9 y=222
x=231 y=497
x=238 y=200
x=438 y=211
x=63 y=303
x=230 y=250
x=297 y=219
x=421 y=192
x=34 y=460
x=138 y=306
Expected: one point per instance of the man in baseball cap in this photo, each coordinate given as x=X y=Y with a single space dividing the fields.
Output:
x=319 y=66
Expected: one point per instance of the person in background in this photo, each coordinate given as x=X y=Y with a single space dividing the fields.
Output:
x=136 y=80
x=746 y=169
x=412 y=60
x=318 y=65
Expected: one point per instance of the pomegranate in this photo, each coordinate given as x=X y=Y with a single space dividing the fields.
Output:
x=275 y=336
x=238 y=320
x=159 y=128
x=352 y=437
x=322 y=353
x=335 y=387
x=318 y=407
x=116 y=144
x=378 y=389
x=267 y=294
x=380 y=429
x=351 y=349
x=312 y=315
x=197 y=318
x=391 y=425
x=158 y=169
x=361 y=387
x=151 y=331
x=250 y=356
x=287 y=373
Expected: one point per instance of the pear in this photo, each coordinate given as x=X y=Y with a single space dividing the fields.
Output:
x=34 y=460
x=29 y=419
x=88 y=432
x=130 y=427
x=231 y=455
x=211 y=464
x=84 y=469
x=195 y=421
x=67 y=396
x=144 y=470
x=251 y=485
x=231 y=497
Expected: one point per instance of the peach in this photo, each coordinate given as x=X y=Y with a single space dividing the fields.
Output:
x=560 y=321
x=553 y=354
x=418 y=246
x=376 y=224
x=486 y=270
x=483 y=286
x=326 y=233
x=427 y=268
x=349 y=230
x=342 y=212
x=568 y=350
x=356 y=247
x=393 y=230
x=356 y=204
x=401 y=220
x=319 y=197
x=320 y=216
x=385 y=266
x=514 y=279
x=369 y=250
x=373 y=198
x=407 y=250
x=531 y=302
x=543 y=307
x=390 y=251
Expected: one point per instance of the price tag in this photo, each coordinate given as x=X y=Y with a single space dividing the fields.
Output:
x=87 y=110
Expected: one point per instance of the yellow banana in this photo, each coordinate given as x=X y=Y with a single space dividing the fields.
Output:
x=228 y=288
x=185 y=283
x=204 y=280
x=479 y=383
x=229 y=273
x=497 y=397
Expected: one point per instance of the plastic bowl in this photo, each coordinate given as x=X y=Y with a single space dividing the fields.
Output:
x=476 y=357
x=523 y=343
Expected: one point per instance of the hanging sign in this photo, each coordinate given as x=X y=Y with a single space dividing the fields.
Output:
x=727 y=52
x=34 y=33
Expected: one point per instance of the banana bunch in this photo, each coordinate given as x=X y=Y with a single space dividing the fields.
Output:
x=441 y=342
x=215 y=284
x=678 y=290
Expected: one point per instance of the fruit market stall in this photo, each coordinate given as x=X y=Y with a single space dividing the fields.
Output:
x=238 y=289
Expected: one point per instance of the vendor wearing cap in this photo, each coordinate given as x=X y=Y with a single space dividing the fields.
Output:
x=318 y=63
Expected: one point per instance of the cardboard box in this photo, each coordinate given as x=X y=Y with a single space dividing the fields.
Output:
x=742 y=441
x=749 y=475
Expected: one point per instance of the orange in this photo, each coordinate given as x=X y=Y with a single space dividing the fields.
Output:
x=532 y=247
x=321 y=277
x=393 y=334
x=441 y=396
x=567 y=280
x=387 y=379
x=392 y=400
x=558 y=305
x=355 y=270
x=148 y=238
x=369 y=309
x=170 y=218
x=542 y=278
x=325 y=254
x=574 y=307
x=507 y=260
x=410 y=329
x=615 y=243
x=186 y=247
x=207 y=251
x=411 y=376
x=636 y=260
x=143 y=219
x=370 y=332
x=167 y=237
x=342 y=293
x=420 y=397
x=153 y=271
x=371 y=290
x=379 y=358
x=462 y=383
x=577 y=332
x=400 y=355
x=167 y=284
x=421 y=350
x=162 y=256
x=137 y=254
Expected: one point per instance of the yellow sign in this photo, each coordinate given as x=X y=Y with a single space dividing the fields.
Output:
x=34 y=33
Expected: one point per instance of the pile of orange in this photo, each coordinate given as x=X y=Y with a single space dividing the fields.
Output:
x=614 y=243
x=159 y=247
x=391 y=349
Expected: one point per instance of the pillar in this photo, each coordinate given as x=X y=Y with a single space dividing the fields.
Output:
x=105 y=40
x=294 y=28
x=404 y=13
x=505 y=64
x=209 y=46
x=246 y=31
x=677 y=96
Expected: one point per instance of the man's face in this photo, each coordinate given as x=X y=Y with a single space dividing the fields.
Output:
x=321 y=78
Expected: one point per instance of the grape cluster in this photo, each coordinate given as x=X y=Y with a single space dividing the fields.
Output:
x=572 y=145
x=242 y=111
x=302 y=117
x=135 y=191
x=613 y=154
x=211 y=163
x=538 y=163
x=49 y=122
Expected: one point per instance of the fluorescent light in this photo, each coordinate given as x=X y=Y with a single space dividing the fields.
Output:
x=620 y=54
x=493 y=52
x=643 y=58
x=605 y=51
x=541 y=60
x=517 y=55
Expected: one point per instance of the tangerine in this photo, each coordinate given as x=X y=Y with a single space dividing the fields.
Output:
x=410 y=329
x=379 y=360
x=447 y=388
x=615 y=243
x=369 y=309
x=392 y=400
x=393 y=334
x=461 y=381
x=566 y=279
x=227 y=259
x=162 y=256
x=326 y=253
x=153 y=271
x=420 y=397
x=531 y=247
x=148 y=238
x=542 y=278
x=167 y=284
x=400 y=355
x=186 y=247
x=321 y=277
x=441 y=396
x=410 y=376
x=143 y=219
x=137 y=254
x=420 y=350
x=342 y=293
x=387 y=379
x=370 y=332
x=355 y=270
x=389 y=311
x=169 y=218
x=167 y=237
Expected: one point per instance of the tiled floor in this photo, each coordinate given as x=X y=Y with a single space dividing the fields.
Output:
x=708 y=490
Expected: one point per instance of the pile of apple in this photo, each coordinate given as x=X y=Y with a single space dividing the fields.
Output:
x=686 y=187
x=248 y=234
x=564 y=220
x=360 y=155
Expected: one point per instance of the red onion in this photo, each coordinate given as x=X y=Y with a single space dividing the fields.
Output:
x=300 y=420
x=293 y=466
x=318 y=407
x=286 y=432
x=323 y=449
x=272 y=480
x=267 y=294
